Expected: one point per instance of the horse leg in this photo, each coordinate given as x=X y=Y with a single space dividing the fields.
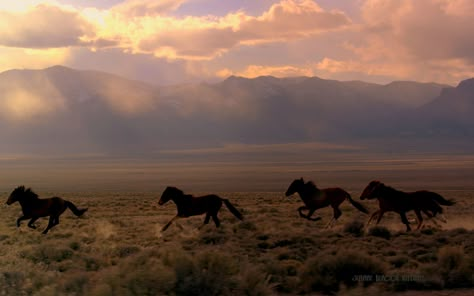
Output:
x=329 y=223
x=310 y=213
x=380 y=217
x=169 y=223
x=21 y=219
x=30 y=224
x=442 y=218
x=337 y=214
x=372 y=217
x=300 y=209
x=216 y=220
x=420 y=219
x=206 y=220
x=50 y=224
x=405 y=220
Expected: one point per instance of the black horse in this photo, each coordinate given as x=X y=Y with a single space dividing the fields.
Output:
x=34 y=207
x=392 y=200
x=315 y=198
x=189 y=205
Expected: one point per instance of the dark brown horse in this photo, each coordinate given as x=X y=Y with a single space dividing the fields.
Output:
x=315 y=198
x=392 y=200
x=34 y=207
x=189 y=205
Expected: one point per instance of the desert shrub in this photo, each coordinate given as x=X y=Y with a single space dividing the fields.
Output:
x=418 y=252
x=245 y=225
x=255 y=282
x=101 y=289
x=74 y=284
x=47 y=254
x=282 y=243
x=11 y=283
x=428 y=231
x=75 y=245
x=356 y=228
x=399 y=261
x=149 y=280
x=380 y=231
x=264 y=245
x=325 y=272
x=140 y=274
x=92 y=263
x=282 y=275
x=125 y=251
x=213 y=237
x=210 y=273
x=455 y=267
x=426 y=258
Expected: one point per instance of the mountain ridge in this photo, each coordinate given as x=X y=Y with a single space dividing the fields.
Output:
x=64 y=109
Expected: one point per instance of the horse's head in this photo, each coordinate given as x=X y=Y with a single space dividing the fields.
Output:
x=295 y=186
x=370 y=192
x=17 y=194
x=169 y=194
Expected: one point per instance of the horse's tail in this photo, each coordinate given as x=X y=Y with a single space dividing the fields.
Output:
x=74 y=209
x=357 y=205
x=441 y=200
x=232 y=209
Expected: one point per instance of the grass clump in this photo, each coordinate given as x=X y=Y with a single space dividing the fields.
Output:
x=48 y=254
x=210 y=274
x=380 y=231
x=326 y=272
x=455 y=267
x=356 y=228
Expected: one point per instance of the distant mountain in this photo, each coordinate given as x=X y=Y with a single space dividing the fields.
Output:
x=62 y=110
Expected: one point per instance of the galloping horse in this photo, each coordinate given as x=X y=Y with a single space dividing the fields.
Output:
x=401 y=202
x=34 y=207
x=315 y=198
x=189 y=205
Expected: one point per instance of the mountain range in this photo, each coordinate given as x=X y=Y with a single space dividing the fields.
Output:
x=62 y=110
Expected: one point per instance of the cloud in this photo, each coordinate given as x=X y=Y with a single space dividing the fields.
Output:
x=291 y=19
x=204 y=38
x=136 y=8
x=43 y=26
x=413 y=39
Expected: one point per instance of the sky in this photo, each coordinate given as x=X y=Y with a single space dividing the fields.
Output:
x=182 y=41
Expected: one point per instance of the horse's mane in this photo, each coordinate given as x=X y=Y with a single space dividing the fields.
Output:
x=180 y=193
x=311 y=186
x=25 y=192
x=389 y=191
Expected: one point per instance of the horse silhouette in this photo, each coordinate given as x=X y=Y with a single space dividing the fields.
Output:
x=315 y=198
x=392 y=200
x=189 y=205
x=33 y=207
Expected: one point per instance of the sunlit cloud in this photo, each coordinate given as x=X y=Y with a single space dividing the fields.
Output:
x=426 y=40
x=204 y=38
x=415 y=39
x=135 y=8
x=43 y=26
